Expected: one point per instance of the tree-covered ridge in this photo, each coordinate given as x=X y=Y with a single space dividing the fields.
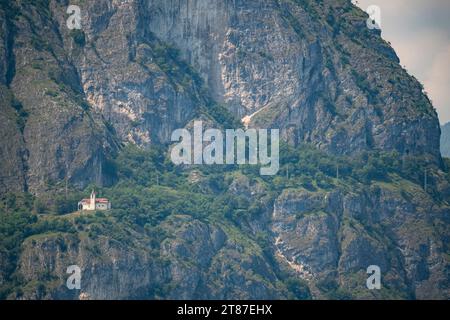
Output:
x=150 y=190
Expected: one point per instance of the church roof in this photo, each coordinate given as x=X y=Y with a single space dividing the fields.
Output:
x=99 y=200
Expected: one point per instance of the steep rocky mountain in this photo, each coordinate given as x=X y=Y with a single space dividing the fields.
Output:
x=362 y=181
x=445 y=140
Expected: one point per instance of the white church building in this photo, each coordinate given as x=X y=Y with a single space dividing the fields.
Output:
x=94 y=203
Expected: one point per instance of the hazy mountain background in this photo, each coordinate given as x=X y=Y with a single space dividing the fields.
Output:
x=445 y=140
x=362 y=181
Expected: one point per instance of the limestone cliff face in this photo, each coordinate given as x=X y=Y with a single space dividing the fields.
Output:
x=310 y=68
x=12 y=171
x=197 y=262
x=52 y=135
x=146 y=67
x=338 y=234
x=134 y=80
x=313 y=70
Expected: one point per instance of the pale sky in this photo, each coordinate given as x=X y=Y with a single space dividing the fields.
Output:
x=419 y=31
